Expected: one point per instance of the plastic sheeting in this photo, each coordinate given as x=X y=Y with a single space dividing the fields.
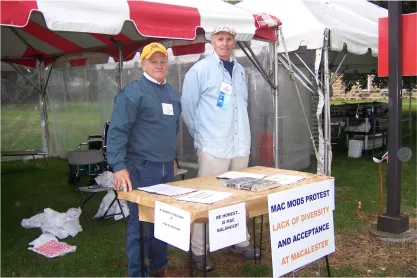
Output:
x=20 y=112
x=80 y=101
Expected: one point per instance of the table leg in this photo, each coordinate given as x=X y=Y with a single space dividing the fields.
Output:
x=142 y=251
x=260 y=243
x=205 y=253
x=46 y=161
x=191 y=258
x=34 y=158
x=254 y=238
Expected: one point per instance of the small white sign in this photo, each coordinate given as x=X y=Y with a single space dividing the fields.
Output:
x=205 y=196
x=301 y=226
x=172 y=225
x=227 y=226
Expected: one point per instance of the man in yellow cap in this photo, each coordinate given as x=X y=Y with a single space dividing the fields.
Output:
x=141 y=148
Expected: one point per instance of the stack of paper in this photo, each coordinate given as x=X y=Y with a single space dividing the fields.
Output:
x=233 y=175
x=166 y=189
x=205 y=196
x=284 y=179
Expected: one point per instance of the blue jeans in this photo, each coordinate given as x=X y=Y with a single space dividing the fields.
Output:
x=145 y=173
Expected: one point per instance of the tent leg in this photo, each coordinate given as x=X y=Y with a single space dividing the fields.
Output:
x=326 y=105
x=276 y=99
x=120 y=69
x=44 y=111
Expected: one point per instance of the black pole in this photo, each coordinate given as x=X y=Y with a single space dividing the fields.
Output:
x=393 y=221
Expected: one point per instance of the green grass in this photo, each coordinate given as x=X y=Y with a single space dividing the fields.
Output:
x=70 y=124
x=27 y=190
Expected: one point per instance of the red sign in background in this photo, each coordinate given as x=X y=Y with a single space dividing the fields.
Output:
x=409 y=45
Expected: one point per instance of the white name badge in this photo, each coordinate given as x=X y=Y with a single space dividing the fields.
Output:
x=167 y=109
x=226 y=88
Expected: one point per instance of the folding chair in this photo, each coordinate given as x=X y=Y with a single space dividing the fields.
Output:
x=98 y=142
x=85 y=161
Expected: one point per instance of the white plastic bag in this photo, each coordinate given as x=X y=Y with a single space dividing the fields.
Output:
x=58 y=224
x=105 y=203
x=105 y=179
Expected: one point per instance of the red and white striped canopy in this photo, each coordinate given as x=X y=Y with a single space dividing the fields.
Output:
x=48 y=29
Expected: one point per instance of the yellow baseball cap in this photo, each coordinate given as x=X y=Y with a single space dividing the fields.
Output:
x=151 y=48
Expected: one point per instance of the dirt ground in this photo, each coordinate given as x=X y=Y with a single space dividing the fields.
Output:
x=356 y=255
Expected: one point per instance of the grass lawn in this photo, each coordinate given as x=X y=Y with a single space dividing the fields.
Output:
x=70 y=124
x=27 y=190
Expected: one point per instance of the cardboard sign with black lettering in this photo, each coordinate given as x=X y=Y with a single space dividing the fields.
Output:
x=227 y=226
x=301 y=225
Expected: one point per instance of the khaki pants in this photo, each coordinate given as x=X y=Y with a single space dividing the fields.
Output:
x=209 y=165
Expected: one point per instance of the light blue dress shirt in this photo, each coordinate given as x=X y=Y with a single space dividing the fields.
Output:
x=223 y=133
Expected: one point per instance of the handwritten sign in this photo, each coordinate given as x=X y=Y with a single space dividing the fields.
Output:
x=227 y=226
x=172 y=225
x=301 y=225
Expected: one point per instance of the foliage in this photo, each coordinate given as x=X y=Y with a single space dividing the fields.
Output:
x=407 y=6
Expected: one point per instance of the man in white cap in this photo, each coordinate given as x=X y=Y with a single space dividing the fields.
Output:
x=141 y=148
x=214 y=102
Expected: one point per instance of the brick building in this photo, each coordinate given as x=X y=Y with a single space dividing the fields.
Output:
x=371 y=93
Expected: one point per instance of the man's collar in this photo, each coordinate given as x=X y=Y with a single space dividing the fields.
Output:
x=153 y=79
x=231 y=59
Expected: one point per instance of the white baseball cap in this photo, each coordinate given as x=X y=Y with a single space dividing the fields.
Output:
x=224 y=28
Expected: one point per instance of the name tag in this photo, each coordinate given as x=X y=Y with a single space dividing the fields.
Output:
x=226 y=88
x=167 y=109
x=223 y=101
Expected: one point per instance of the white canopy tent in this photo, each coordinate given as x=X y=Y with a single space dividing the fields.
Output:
x=321 y=35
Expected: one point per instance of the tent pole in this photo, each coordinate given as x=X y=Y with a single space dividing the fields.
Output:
x=120 y=69
x=42 y=102
x=179 y=72
x=326 y=105
x=256 y=64
x=276 y=99
x=336 y=72
x=300 y=75
x=24 y=76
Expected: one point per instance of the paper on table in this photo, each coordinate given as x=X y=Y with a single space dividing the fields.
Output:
x=284 y=179
x=233 y=175
x=166 y=189
x=205 y=196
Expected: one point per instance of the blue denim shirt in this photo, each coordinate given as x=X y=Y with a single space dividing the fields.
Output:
x=223 y=133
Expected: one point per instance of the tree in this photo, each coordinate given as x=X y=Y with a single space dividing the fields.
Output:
x=361 y=79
